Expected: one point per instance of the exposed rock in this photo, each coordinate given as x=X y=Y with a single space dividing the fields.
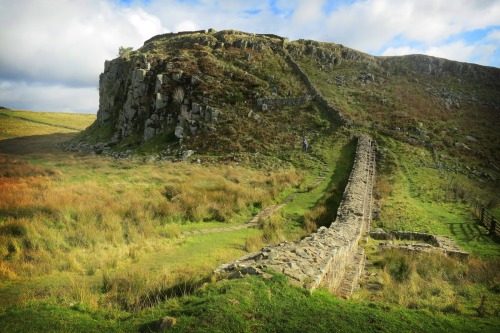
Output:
x=471 y=138
x=187 y=154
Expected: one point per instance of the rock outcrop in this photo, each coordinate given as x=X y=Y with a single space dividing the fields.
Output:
x=183 y=84
x=149 y=96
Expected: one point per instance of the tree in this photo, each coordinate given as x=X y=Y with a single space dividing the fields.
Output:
x=124 y=52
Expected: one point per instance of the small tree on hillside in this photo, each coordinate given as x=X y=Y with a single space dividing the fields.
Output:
x=124 y=52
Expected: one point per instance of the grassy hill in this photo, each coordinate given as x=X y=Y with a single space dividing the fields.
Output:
x=126 y=240
x=24 y=123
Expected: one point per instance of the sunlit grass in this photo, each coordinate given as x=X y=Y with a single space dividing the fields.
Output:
x=69 y=121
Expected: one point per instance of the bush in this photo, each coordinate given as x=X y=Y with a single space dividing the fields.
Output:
x=124 y=52
x=272 y=228
x=254 y=243
x=14 y=229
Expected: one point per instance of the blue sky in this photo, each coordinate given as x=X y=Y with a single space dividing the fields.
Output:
x=54 y=50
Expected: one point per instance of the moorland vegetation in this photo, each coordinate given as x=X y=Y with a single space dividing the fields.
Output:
x=112 y=236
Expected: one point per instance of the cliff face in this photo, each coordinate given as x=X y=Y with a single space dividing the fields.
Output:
x=151 y=96
x=173 y=83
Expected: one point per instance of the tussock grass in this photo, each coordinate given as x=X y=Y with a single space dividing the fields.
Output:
x=93 y=218
x=435 y=282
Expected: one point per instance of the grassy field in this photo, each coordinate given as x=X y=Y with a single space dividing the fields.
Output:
x=421 y=162
x=72 y=226
x=415 y=196
x=249 y=305
x=95 y=244
x=22 y=123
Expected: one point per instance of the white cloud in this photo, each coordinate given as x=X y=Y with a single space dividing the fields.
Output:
x=62 y=46
x=493 y=36
x=369 y=25
x=36 y=97
x=67 y=41
x=308 y=11
x=460 y=51
x=186 y=25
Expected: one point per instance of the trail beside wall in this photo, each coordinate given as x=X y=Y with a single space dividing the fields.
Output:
x=331 y=257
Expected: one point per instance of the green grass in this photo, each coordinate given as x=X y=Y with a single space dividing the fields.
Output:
x=418 y=200
x=93 y=244
x=68 y=121
x=11 y=127
x=249 y=305
x=84 y=218
x=319 y=205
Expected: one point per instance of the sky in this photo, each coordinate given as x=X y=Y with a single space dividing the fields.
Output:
x=52 y=51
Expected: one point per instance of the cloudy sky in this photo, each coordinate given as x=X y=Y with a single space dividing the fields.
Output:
x=52 y=51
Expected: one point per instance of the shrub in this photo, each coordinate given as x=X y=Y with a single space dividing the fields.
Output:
x=272 y=228
x=169 y=231
x=398 y=265
x=178 y=95
x=14 y=229
x=382 y=189
x=124 y=52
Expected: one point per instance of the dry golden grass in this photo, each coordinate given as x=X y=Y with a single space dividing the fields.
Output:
x=81 y=203
x=434 y=281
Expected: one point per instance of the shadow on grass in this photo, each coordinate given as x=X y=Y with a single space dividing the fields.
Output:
x=34 y=144
x=472 y=231
x=336 y=186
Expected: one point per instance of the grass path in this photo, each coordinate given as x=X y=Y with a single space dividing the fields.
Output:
x=254 y=222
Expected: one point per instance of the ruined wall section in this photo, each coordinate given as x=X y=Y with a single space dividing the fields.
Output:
x=327 y=257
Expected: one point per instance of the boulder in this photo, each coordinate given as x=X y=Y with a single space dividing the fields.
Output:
x=179 y=132
x=186 y=154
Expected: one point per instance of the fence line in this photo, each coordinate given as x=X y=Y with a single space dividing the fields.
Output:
x=486 y=218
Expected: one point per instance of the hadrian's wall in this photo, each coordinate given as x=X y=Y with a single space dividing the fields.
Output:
x=330 y=257
x=318 y=97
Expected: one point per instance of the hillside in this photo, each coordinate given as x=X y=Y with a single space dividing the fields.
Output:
x=195 y=160
x=204 y=91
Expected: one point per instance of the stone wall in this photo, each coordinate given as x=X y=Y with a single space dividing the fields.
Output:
x=281 y=101
x=330 y=257
x=430 y=242
x=315 y=92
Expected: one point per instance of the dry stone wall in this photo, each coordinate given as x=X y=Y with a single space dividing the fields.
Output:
x=419 y=242
x=331 y=257
x=319 y=98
